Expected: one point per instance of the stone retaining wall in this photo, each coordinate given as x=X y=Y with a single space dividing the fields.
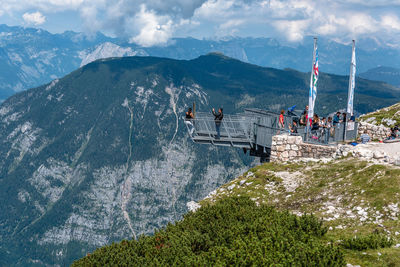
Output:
x=375 y=132
x=287 y=148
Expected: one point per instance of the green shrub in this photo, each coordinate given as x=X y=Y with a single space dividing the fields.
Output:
x=233 y=231
x=371 y=241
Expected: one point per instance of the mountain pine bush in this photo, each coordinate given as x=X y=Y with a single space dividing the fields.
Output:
x=233 y=231
x=371 y=241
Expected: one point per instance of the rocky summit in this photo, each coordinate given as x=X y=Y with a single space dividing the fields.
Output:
x=103 y=155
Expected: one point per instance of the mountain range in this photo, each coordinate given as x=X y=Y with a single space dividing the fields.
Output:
x=386 y=74
x=31 y=57
x=102 y=154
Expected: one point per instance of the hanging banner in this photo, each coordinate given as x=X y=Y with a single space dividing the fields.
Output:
x=350 y=126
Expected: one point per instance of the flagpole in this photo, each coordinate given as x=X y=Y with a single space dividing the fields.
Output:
x=350 y=96
x=310 y=97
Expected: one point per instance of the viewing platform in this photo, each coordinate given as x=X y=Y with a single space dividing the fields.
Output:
x=253 y=130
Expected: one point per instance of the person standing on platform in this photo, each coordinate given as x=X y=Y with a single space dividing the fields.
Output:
x=218 y=116
x=189 y=120
x=281 y=121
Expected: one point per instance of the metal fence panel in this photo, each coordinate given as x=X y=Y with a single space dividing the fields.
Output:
x=256 y=127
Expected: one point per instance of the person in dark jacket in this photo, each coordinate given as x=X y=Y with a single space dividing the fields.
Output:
x=189 y=117
x=293 y=127
x=336 y=118
x=218 y=116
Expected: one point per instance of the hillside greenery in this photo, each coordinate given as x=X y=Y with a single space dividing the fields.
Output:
x=371 y=241
x=388 y=116
x=233 y=231
x=358 y=201
x=355 y=219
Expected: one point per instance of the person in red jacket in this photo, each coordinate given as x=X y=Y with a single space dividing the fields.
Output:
x=281 y=120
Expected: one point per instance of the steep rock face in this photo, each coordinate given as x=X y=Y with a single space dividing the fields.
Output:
x=102 y=154
x=93 y=159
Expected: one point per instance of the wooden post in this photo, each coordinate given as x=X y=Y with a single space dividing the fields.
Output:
x=194 y=109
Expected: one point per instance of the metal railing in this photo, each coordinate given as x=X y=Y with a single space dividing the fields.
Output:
x=232 y=127
x=257 y=127
x=338 y=133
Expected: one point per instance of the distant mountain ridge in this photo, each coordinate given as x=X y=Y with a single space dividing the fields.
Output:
x=30 y=57
x=107 y=50
x=389 y=75
x=102 y=154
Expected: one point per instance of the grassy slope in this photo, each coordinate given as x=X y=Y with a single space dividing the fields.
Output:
x=354 y=198
x=382 y=115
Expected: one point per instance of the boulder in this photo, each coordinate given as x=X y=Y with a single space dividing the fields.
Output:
x=280 y=148
x=291 y=140
x=378 y=155
x=299 y=140
x=292 y=154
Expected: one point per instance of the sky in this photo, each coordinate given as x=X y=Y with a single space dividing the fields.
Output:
x=154 y=22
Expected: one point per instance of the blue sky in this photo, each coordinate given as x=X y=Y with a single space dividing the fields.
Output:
x=154 y=22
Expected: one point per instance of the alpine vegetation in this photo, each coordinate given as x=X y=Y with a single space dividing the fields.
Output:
x=233 y=231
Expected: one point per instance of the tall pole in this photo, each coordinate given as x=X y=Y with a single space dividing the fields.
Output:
x=312 y=92
x=350 y=96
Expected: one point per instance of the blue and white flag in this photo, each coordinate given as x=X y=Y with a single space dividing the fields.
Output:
x=313 y=83
x=350 y=98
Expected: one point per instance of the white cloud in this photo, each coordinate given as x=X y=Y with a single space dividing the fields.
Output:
x=153 y=22
x=391 y=22
x=42 y=5
x=232 y=23
x=89 y=15
x=360 y=24
x=153 y=29
x=35 y=18
x=294 y=30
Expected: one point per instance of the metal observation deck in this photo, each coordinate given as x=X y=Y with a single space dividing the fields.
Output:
x=253 y=130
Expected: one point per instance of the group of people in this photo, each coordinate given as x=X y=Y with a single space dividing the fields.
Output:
x=218 y=116
x=281 y=123
x=325 y=127
x=394 y=133
x=320 y=127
